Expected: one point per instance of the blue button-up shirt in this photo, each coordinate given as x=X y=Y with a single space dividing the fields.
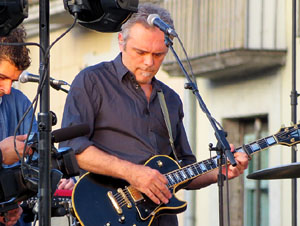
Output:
x=12 y=108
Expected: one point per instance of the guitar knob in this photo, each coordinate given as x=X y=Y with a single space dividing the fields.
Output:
x=160 y=163
x=107 y=224
x=122 y=219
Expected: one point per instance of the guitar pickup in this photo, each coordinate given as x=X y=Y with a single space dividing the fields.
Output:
x=114 y=202
x=135 y=194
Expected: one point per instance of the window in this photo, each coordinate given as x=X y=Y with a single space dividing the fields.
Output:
x=254 y=193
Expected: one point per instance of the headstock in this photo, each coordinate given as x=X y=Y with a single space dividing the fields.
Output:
x=289 y=135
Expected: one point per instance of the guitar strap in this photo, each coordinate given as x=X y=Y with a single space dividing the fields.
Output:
x=165 y=111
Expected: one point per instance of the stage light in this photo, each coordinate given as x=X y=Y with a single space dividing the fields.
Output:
x=102 y=15
x=12 y=13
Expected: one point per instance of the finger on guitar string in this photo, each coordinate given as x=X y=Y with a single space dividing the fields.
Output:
x=150 y=182
x=160 y=194
x=242 y=164
x=152 y=196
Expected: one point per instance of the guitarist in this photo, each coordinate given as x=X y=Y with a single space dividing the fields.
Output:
x=119 y=101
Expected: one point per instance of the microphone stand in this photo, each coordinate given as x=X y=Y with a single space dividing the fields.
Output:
x=222 y=147
x=294 y=95
x=44 y=121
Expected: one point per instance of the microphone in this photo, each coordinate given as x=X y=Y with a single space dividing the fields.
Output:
x=154 y=20
x=60 y=135
x=28 y=77
x=70 y=132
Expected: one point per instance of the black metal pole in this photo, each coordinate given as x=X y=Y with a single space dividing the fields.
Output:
x=222 y=145
x=294 y=96
x=44 y=121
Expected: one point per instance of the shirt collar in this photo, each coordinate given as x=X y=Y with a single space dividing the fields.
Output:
x=122 y=70
x=120 y=67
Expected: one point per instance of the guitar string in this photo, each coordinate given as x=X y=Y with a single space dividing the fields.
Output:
x=208 y=162
x=182 y=174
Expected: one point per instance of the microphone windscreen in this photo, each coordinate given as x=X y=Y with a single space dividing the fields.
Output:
x=151 y=18
x=23 y=77
x=70 y=132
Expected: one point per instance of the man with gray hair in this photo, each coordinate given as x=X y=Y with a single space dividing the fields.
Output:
x=119 y=100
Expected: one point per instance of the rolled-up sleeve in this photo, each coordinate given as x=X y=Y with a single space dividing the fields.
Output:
x=82 y=104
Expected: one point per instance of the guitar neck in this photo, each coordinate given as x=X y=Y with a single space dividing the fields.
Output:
x=196 y=169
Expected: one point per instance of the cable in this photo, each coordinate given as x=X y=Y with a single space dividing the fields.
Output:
x=188 y=61
x=33 y=105
x=193 y=79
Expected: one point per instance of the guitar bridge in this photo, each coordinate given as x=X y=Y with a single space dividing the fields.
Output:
x=114 y=202
x=128 y=203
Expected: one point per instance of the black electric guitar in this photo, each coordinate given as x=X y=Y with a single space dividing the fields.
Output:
x=102 y=200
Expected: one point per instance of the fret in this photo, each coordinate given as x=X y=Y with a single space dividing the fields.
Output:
x=248 y=149
x=215 y=159
x=207 y=164
x=262 y=143
x=240 y=149
x=185 y=171
x=202 y=167
x=170 y=179
x=212 y=163
x=198 y=171
x=183 y=175
x=177 y=177
x=270 y=140
x=190 y=171
x=254 y=147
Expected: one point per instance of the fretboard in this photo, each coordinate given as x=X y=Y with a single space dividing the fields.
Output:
x=196 y=169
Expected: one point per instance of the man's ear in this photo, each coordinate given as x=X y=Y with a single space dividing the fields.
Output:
x=121 y=41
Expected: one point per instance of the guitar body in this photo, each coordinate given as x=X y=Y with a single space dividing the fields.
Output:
x=93 y=206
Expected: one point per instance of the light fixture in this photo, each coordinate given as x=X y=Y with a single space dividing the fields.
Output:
x=12 y=13
x=102 y=15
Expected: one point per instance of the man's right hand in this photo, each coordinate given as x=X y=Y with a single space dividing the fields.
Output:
x=150 y=182
x=9 y=155
x=143 y=178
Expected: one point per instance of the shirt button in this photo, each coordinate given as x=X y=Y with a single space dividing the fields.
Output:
x=146 y=111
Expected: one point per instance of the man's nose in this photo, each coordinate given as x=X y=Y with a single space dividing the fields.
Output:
x=148 y=60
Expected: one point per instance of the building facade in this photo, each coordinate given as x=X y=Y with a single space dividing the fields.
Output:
x=241 y=53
